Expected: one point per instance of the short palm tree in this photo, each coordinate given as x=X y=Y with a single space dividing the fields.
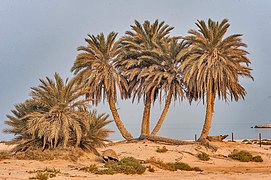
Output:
x=139 y=45
x=94 y=133
x=59 y=117
x=95 y=68
x=214 y=65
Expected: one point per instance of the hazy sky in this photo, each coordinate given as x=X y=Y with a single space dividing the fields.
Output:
x=38 y=38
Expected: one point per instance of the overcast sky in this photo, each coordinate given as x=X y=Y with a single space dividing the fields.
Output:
x=39 y=38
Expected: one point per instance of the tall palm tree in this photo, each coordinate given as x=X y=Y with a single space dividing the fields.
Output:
x=139 y=45
x=166 y=76
x=96 y=69
x=214 y=65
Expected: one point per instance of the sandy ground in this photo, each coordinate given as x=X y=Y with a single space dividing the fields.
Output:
x=218 y=167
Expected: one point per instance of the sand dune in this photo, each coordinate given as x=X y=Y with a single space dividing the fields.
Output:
x=218 y=167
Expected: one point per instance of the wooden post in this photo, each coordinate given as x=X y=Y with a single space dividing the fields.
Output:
x=260 y=138
x=232 y=137
x=195 y=137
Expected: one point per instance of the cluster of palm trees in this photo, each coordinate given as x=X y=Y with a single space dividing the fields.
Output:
x=147 y=64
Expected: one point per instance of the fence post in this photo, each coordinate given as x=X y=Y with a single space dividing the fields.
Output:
x=232 y=137
x=260 y=137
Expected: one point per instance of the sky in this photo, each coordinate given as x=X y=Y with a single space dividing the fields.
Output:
x=39 y=38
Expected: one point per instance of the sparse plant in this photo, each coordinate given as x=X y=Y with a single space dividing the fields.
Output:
x=257 y=159
x=150 y=168
x=171 y=166
x=45 y=173
x=162 y=150
x=159 y=163
x=244 y=156
x=128 y=165
x=4 y=155
x=91 y=168
x=40 y=176
x=203 y=156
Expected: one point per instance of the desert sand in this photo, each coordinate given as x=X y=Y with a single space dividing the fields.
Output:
x=218 y=167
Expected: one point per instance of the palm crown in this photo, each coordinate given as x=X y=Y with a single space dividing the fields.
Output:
x=95 y=67
x=142 y=48
x=61 y=113
x=164 y=73
x=215 y=62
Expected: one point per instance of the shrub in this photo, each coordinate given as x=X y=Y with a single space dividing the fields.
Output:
x=92 y=168
x=244 y=156
x=40 y=176
x=45 y=173
x=171 y=166
x=257 y=159
x=162 y=150
x=128 y=165
x=203 y=156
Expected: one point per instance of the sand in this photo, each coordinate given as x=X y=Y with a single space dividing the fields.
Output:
x=218 y=167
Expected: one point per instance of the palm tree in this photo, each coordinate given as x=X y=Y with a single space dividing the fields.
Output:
x=166 y=76
x=96 y=69
x=94 y=132
x=214 y=65
x=56 y=116
x=139 y=45
x=59 y=118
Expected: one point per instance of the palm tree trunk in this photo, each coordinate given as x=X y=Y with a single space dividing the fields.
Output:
x=118 y=122
x=165 y=140
x=145 y=126
x=209 y=115
x=163 y=115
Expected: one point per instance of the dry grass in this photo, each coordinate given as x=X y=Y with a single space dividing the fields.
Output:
x=5 y=155
x=162 y=150
x=44 y=174
x=39 y=155
x=203 y=156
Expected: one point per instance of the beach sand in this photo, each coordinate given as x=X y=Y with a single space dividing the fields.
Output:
x=218 y=167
